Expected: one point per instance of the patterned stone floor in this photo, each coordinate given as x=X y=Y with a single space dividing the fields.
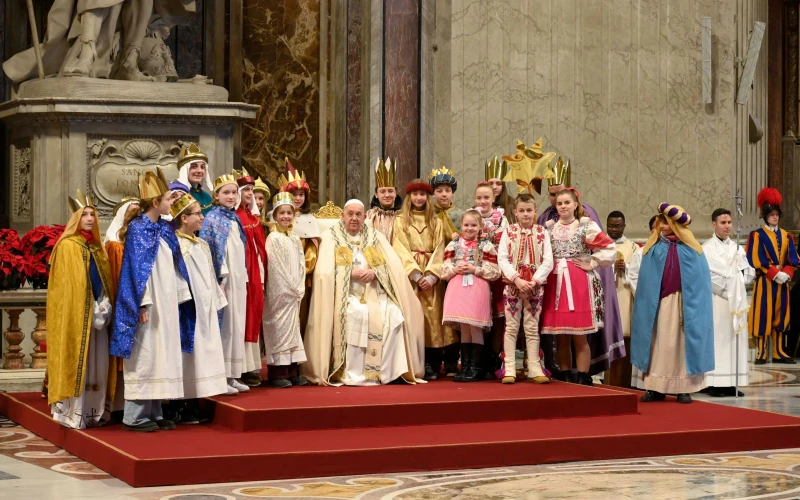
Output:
x=32 y=468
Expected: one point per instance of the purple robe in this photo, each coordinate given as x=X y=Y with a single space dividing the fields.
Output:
x=607 y=343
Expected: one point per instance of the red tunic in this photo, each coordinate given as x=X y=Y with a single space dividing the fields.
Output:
x=256 y=247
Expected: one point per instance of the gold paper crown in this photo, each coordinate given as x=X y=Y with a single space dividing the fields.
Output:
x=152 y=184
x=122 y=202
x=243 y=177
x=561 y=174
x=191 y=153
x=80 y=202
x=495 y=168
x=223 y=180
x=385 y=173
x=282 y=198
x=181 y=204
x=262 y=186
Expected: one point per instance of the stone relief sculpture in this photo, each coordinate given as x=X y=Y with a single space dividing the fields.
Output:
x=81 y=34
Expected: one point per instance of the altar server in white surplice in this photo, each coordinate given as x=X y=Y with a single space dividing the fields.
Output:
x=204 y=368
x=730 y=272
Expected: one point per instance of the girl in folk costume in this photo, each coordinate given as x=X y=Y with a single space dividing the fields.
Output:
x=225 y=236
x=470 y=263
x=256 y=250
x=204 y=368
x=573 y=298
x=154 y=320
x=444 y=185
x=773 y=254
x=261 y=194
x=386 y=202
x=419 y=241
x=526 y=259
x=304 y=227
x=672 y=336
x=285 y=289
x=81 y=377
x=494 y=221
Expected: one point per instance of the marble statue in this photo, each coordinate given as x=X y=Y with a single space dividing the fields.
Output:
x=82 y=39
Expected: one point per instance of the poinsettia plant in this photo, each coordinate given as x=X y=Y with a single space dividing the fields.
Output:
x=12 y=260
x=37 y=245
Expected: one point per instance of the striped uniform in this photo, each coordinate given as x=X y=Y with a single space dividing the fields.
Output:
x=770 y=252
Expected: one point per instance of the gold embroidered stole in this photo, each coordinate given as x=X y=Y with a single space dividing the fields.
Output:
x=344 y=254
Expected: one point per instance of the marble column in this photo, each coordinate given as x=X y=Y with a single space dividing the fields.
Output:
x=775 y=88
x=281 y=68
x=402 y=86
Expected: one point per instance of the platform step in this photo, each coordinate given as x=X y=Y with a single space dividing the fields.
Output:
x=438 y=402
x=198 y=454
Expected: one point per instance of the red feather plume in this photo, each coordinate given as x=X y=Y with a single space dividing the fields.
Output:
x=769 y=195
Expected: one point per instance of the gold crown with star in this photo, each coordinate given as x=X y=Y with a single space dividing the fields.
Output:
x=80 y=201
x=495 y=168
x=191 y=153
x=181 y=204
x=385 y=173
x=152 y=184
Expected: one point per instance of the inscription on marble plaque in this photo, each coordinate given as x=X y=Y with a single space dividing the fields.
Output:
x=115 y=162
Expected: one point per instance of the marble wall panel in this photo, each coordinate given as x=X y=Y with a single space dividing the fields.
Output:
x=612 y=85
x=354 y=95
x=281 y=74
x=401 y=86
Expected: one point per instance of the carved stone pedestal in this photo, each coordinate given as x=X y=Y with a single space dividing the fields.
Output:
x=96 y=135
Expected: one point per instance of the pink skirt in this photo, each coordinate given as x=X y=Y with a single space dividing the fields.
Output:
x=467 y=304
x=581 y=320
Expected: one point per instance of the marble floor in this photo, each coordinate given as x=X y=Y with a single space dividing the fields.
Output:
x=32 y=468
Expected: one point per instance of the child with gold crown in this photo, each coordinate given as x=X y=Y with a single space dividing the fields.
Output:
x=223 y=232
x=79 y=382
x=153 y=304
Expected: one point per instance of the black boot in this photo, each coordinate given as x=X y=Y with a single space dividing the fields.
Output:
x=465 y=354
x=583 y=378
x=476 y=350
x=450 y=357
x=431 y=373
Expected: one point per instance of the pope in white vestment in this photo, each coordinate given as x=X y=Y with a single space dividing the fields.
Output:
x=730 y=272
x=365 y=323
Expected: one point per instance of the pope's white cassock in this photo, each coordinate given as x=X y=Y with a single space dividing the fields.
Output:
x=730 y=272
x=361 y=334
x=204 y=368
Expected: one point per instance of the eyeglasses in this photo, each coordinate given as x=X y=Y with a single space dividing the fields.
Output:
x=199 y=212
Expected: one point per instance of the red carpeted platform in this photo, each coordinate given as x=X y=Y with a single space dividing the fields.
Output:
x=440 y=402
x=437 y=426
